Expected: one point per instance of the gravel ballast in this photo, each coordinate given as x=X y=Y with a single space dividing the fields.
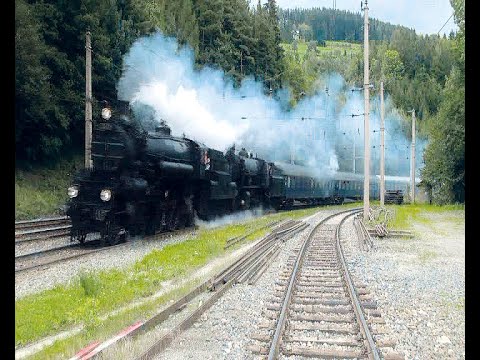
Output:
x=224 y=331
x=36 y=280
x=418 y=285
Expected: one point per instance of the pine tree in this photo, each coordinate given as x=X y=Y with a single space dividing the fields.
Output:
x=277 y=68
x=209 y=15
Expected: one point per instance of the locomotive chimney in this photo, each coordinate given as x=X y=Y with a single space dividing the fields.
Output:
x=163 y=128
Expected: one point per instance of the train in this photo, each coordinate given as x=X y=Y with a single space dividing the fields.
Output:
x=146 y=181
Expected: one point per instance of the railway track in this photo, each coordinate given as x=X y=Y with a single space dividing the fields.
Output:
x=316 y=310
x=51 y=256
x=50 y=228
x=28 y=260
x=247 y=269
x=41 y=229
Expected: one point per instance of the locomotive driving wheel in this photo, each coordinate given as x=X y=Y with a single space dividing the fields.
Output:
x=173 y=220
x=113 y=236
x=79 y=236
x=109 y=234
x=118 y=237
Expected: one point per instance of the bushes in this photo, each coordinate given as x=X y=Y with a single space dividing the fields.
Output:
x=41 y=191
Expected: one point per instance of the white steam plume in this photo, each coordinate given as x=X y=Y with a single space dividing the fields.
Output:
x=204 y=105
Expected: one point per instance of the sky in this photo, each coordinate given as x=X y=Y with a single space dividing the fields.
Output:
x=425 y=16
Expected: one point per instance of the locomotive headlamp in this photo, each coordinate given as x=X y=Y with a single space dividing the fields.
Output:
x=106 y=113
x=105 y=195
x=72 y=191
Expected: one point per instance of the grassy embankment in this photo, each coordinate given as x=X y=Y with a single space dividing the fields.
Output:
x=404 y=215
x=94 y=295
x=41 y=191
x=308 y=73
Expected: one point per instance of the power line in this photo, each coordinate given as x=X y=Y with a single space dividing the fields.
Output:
x=438 y=33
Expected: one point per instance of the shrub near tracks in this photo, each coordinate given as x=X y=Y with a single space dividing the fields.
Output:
x=50 y=311
x=41 y=191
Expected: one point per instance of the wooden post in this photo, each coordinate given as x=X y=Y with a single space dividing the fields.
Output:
x=382 y=148
x=366 y=88
x=88 y=103
x=412 y=166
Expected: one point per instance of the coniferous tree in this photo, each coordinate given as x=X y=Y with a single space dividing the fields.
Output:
x=276 y=67
x=209 y=15
x=444 y=171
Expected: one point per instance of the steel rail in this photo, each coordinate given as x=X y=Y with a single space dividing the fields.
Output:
x=234 y=273
x=46 y=251
x=149 y=324
x=44 y=237
x=41 y=230
x=33 y=222
x=275 y=346
x=87 y=252
x=372 y=348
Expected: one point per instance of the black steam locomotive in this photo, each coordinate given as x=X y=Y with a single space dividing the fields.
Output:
x=142 y=182
x=147 y=181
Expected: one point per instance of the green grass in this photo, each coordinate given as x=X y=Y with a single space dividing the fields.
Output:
x=406 y=214
x=97 y=330
x=94 y=295
x=41 y=191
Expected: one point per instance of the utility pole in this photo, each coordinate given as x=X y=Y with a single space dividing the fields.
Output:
x=88 y=103
x=366 y=172
x=382 y=148
x=412 y=160
x=354 y=157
